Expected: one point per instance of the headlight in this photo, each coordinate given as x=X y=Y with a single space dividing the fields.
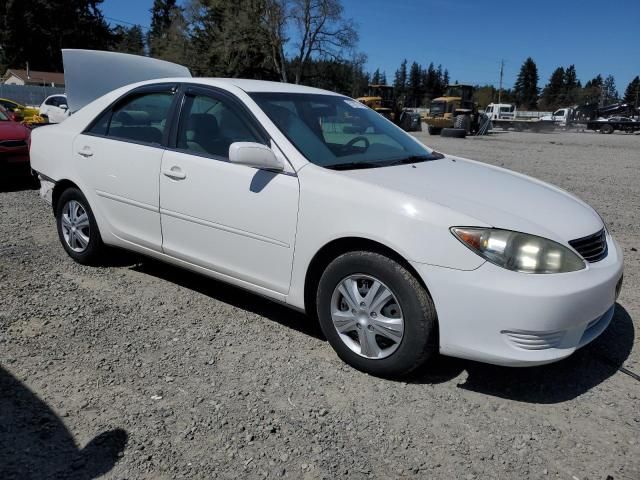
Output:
x=519 y=252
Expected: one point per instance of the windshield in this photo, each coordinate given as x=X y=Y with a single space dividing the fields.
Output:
x=338 y=132
x=437 y=108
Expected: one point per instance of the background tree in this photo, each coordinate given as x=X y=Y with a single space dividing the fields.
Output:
x=36 y=31
x=228 y=41
x=274 y=18
x=400 y=80
x=322 y=32
x=383 y=78
x=592 y=90
x=632 y=92
x=129 y=40
x=375 y=78
x=415 y=90
x=163 y=13
x=572 y=87
x=526 y=87
x=552 y=94
x=609 y=91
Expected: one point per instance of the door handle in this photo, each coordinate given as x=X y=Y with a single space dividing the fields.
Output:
x=85 y=152
x=175 y=173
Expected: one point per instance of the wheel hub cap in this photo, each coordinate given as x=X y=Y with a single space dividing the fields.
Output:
x=367 y=316
x=75 y=226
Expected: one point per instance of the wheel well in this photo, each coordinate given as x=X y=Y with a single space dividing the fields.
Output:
x=60 y=187
x=336 y=248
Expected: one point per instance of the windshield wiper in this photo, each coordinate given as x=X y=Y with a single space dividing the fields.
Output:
x=355 y=165
x=417 y=158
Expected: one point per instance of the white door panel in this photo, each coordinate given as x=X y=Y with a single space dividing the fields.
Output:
x=230 y=218
x=124 y=176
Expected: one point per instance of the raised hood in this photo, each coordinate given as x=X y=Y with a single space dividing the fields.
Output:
x=89 y=74
x=493 y=195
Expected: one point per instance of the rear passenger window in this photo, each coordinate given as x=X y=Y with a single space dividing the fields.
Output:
x=209 y=126
x=141 y=118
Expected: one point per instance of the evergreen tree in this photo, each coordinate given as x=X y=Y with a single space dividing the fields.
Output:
x=128 y=40
x=375 y=78
x=572 y=86
x=35 y=31
x=400 y=80
x=632 y=92
x=383 y=78
x=414 y=86
x=609 y=91
x=553 y=92
x=592 y=90
x=526 y=87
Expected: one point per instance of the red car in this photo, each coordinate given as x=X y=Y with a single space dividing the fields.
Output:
x=14 y=146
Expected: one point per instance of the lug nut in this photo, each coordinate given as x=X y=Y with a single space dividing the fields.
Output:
x=362 y=304
x=370 y=328
x=374 y=314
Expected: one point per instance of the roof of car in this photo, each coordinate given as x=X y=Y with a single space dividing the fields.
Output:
x=260 y=85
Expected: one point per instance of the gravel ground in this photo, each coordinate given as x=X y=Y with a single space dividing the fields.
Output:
x=141 y=370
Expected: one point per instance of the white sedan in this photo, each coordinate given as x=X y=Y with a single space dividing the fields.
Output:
x=314 y=200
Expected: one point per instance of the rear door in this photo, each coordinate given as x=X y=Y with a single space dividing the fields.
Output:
x=120 y=156
x=232 y=219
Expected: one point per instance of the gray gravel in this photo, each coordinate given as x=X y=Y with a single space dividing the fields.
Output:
x=141 y=370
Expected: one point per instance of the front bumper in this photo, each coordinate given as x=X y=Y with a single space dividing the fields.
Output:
x=508 y=318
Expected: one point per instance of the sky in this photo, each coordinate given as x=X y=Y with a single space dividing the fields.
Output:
x=471 y=37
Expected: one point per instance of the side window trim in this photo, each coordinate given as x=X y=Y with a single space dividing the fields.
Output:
x=172 y=88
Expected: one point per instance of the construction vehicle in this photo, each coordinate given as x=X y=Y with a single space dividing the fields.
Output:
x=382 y=99
x=456 y=109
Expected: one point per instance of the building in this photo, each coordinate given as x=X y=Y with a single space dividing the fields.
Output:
x=14 y=76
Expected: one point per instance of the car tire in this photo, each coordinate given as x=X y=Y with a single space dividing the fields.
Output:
x=400 y=309
x=453 y=132
x=608 y=129
x=434 y=130
x=462 y=122
x=77 y=228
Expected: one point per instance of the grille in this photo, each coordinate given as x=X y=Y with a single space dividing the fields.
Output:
x=12 y=143
x=592 y=248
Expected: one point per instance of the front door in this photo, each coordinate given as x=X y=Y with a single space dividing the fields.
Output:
x=235 y=220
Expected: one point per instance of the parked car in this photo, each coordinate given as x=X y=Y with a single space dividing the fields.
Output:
x=54 y=109
x=398 y=250
x=14 y=146
x=21 y=113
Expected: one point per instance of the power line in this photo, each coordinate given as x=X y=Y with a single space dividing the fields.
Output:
x=117 y=20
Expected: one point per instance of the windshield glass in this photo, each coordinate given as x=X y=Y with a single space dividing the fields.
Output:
x=338 y=132
x=437 y=108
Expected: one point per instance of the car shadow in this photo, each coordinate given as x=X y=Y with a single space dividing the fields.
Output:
x=235 y=296
x=35 y=444
x=18 y=183
x=553 y=383
x=546 y=384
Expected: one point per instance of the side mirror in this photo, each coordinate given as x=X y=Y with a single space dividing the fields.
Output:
x=64 y=107
x=254 y=155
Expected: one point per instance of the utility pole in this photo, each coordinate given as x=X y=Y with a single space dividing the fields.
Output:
x=500 y=89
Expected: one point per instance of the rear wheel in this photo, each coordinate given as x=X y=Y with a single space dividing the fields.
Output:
x=77 y=228
x=606 y=129
x=376 y=315
x=462 y=122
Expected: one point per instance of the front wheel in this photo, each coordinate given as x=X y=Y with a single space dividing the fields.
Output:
x=376 y=315
x=77 y=228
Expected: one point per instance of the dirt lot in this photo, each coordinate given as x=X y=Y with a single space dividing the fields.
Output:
x=170 y=375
